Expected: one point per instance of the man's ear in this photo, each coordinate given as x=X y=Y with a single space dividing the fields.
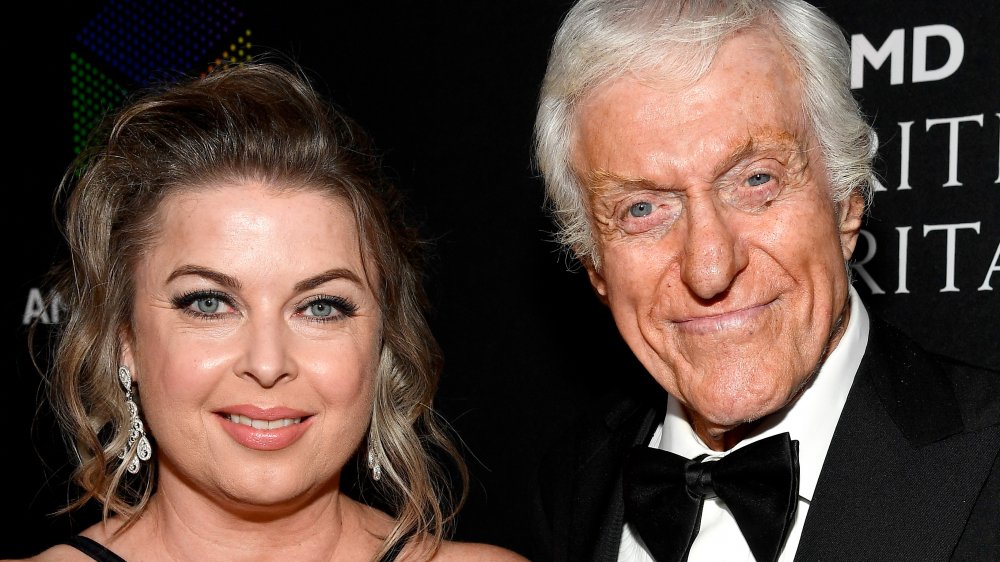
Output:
x=850 y=212
x=596 y=279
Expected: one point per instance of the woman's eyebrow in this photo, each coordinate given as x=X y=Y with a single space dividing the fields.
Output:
x=328 y=275
x=227 y=281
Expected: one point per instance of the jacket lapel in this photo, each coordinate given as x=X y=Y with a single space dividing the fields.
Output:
x=597 y=514
x=888 y=489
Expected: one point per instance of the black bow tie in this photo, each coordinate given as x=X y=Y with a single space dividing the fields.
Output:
x=759 y=483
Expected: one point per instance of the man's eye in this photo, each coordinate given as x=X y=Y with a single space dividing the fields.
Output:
x=753 y=192
x=641 y=209
x=648 y=211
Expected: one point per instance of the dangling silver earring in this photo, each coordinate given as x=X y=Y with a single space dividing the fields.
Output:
x=136 y=430
x=374 y=464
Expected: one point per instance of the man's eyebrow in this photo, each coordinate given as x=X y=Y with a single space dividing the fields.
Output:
x=602 y=181
x=598 y=181
x=752 y=144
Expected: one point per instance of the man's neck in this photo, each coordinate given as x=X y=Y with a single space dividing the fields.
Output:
x=716 y=437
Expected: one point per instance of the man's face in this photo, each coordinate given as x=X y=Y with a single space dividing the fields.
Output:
x=722 y=254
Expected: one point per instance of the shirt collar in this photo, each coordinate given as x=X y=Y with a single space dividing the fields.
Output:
x=811 y=419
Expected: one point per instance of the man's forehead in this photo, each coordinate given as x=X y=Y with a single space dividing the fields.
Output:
x=640 y=129
x=752 y=63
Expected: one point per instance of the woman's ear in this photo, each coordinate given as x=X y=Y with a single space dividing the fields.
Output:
x=126 y=355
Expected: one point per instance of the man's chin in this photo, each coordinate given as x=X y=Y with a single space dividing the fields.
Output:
x=721 y=417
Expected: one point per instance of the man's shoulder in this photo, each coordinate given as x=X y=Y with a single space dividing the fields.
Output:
x=611 y=420
x=977 y=390
x=973 y=389
x=576 y=479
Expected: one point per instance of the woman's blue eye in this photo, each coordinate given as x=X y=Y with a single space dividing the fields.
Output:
x=207 y=305
x=328 y=308
x=204 y=304
x=758 y=179
x=641 y=209
x=321 y=309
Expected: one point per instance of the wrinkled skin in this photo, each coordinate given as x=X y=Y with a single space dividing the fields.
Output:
x=722 y=254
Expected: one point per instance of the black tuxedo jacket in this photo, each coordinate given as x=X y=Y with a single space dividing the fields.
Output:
x=912 y=473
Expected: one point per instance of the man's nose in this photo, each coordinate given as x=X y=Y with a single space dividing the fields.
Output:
x=265 y=355
x=713 y=253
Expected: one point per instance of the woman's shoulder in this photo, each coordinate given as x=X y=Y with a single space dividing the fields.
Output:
x=449 y=551
x=56 y=553
x=85 y=547
x=464 y=551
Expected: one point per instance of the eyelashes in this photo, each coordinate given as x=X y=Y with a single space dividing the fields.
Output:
x=217 y=305
x=204 y=304
x=755 y=192
x=649 y=211
x=326 y=307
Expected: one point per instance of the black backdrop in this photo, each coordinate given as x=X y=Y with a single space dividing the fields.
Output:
x=448 y=90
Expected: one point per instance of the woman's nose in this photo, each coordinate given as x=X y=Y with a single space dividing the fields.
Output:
x=266 y=356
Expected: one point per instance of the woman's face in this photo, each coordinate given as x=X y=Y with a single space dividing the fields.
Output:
x=255 y=342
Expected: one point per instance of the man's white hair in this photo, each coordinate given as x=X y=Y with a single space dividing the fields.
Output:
x=601 y=40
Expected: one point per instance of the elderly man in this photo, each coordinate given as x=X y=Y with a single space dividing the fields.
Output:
x=707 y=164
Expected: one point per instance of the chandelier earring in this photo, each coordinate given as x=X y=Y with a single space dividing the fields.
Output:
x=137 y=432
x=374 y=464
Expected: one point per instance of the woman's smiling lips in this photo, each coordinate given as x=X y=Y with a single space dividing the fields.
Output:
x=736 y=319
x=264 y=429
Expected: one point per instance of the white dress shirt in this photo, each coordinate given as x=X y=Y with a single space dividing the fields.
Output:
x=811 y=420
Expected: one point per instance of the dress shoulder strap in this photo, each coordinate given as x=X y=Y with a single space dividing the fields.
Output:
x=93 y=549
